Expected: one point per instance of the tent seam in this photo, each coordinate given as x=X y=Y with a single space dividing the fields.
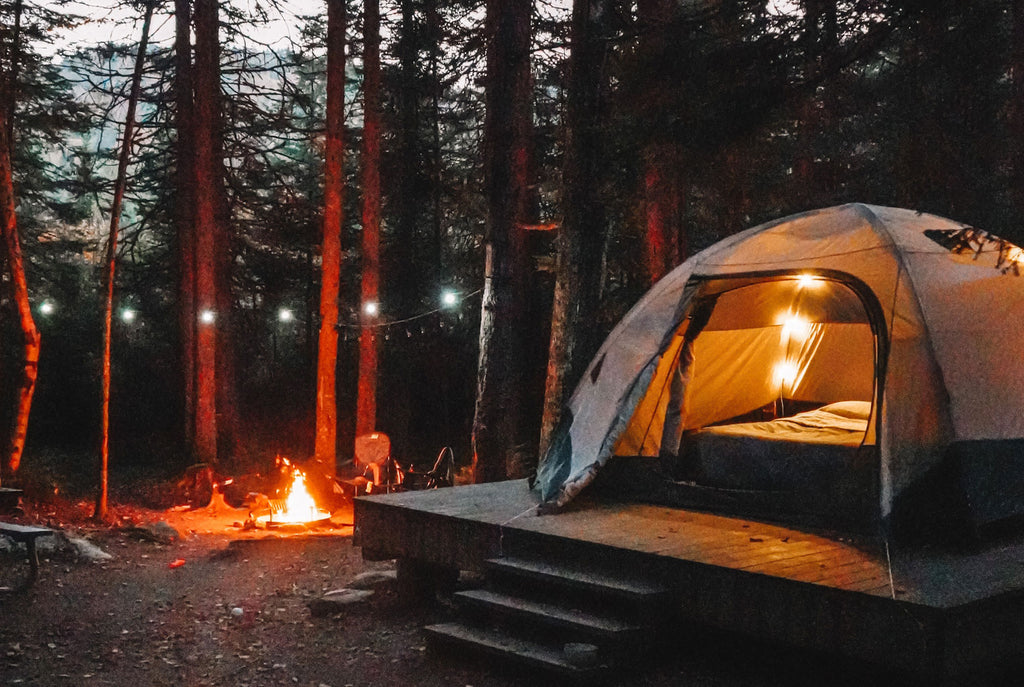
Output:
x=905 y=269
x=792 y=260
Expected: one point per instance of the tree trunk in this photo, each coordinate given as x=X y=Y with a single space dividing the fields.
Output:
x=334 y=193
x=29 y=334
x=434 y=40
x=207 y=233
x=120 y=182
x=506 y=163
x=185 y=211
x=1017 y=110
x=227 y=390
x=808 y=114
x=579 y=268
x=15 y=265
x=664 y=236
x=408 y=201
x=366 y=405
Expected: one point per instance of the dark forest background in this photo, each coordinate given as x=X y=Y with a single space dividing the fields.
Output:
x=698 y=119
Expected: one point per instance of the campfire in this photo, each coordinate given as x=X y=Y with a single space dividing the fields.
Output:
x=296 y=507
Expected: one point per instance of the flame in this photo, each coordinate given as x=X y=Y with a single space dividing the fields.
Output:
x=299 y=506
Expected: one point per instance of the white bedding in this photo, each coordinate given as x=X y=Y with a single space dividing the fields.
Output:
x=840 y=424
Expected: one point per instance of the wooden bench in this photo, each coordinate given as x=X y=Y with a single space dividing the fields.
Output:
x=26 y=535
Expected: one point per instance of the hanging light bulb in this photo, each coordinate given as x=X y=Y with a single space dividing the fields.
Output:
x=785 y=374
x=805 y=281
x=796 y=328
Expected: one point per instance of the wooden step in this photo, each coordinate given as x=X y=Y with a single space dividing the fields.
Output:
x=586 y=624
x=637 y=591
x=515 y=650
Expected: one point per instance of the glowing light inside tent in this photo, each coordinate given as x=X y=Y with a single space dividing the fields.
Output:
x=795 y=328
x=808 y=281
x=128 y=315
x=785 y=374
x=371 y=308
x=207 y=317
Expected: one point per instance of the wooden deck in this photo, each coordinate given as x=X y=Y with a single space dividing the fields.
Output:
x=930 y=612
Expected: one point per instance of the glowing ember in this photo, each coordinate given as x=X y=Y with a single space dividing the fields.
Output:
x=298 y=505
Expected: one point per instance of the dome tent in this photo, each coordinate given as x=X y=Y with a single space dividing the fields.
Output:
x=912 y=318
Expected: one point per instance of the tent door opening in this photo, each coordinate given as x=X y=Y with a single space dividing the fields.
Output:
x=763 y=402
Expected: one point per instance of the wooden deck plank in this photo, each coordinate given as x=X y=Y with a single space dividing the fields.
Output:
x=775 y=566
x=749 y=555
x=838 y=576
x=824 y=554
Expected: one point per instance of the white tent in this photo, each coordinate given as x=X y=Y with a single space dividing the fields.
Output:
x=906 y=326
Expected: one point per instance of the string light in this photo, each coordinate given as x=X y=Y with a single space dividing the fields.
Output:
x=370 y=308
x=449 y=298
x=285 y=315
x=207 y=316
x=47 y=308
x=128 y=315
x=403 y=320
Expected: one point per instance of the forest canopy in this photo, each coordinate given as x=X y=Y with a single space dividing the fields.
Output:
x=540 y=165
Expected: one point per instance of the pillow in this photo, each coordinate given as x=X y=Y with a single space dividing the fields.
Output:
x=853 y=410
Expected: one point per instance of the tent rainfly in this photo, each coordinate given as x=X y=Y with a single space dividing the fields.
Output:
x=857 y=359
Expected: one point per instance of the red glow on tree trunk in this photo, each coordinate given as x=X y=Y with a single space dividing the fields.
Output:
x=366 y=404
x=325 y=447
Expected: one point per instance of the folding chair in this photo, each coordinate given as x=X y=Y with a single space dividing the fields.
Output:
x=376 y=471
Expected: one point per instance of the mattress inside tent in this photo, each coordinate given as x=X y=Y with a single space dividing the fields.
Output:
x=812 y=467
x=798 y=452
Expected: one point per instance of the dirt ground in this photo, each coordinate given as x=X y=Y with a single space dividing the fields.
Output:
x=223 y=606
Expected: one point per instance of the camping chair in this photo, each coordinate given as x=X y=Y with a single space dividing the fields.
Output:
x=442 y=474
x=376 y=471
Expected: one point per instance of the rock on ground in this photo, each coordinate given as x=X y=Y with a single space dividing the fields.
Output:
x=372 y=579
x=86 y=550
x=337 y=601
